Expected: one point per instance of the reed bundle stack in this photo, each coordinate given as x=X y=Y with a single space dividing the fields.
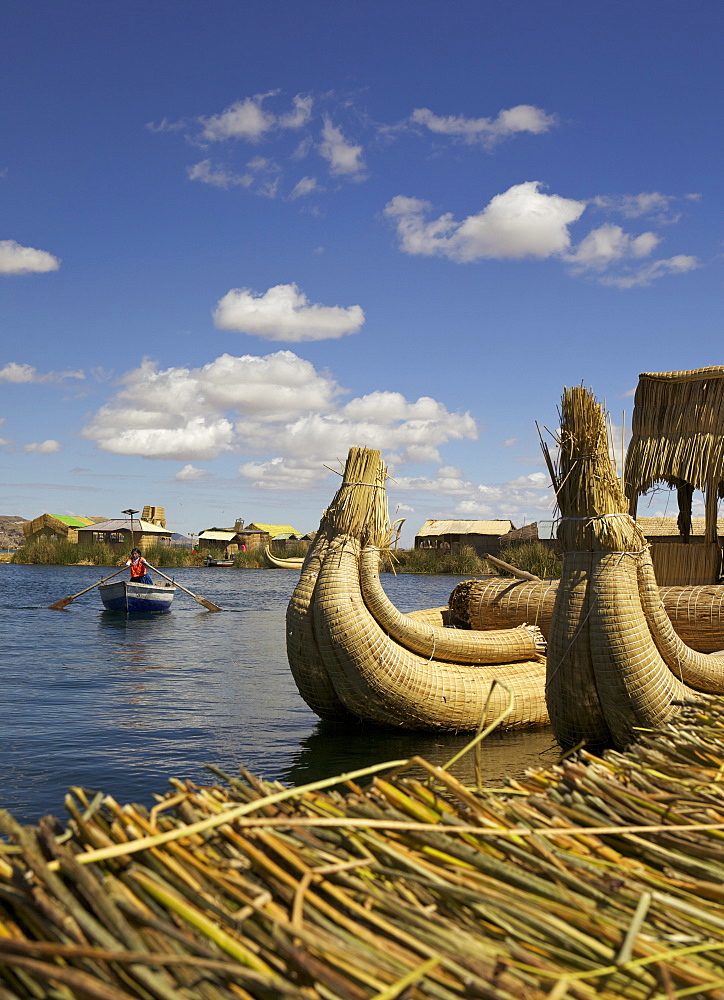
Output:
x=696 y=613
x=351 y=652
x=615 y=664
x=598 y=879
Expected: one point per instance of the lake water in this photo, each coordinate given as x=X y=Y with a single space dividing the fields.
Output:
x=94 y=699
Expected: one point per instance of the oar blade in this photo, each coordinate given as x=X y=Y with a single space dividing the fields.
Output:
x=59 y=605
x=209 y=605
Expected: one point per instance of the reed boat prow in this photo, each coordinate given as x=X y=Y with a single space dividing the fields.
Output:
x=353 y=653
x=292 y=562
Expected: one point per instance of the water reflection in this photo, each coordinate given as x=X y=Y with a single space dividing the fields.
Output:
x=333 y=748
x=121 y=704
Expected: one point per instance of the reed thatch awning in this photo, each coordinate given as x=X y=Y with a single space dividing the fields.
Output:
x=677 y=430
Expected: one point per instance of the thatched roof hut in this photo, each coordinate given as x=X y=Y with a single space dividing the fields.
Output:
x=483 y=536
x=118 y=532
x=57 y=526
x=678 y=439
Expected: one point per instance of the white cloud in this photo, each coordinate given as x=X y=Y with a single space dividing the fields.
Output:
x=303 y=187
x=509 y=442
x=525 y=222
x=262 y=163
x=521 y=118
x=284 y=312
x=179 y=412
x=217 y=176
x=610 y=243
x=166 y=125
x=48 y=447
x=633 y=206
x=299 y=115
x=521 y=222
x=525 y=498
x=24 y=373
x=17 y=259
x=277 y=410
x=679 y=264
x=189 y=473
x=405 y=431
x=344 y=158
x=197 y=438
x=242 y=120
x=249 y=120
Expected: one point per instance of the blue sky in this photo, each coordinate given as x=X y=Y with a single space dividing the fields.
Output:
x=239 y=238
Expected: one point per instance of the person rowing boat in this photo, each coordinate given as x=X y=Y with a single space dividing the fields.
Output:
x=139 y=567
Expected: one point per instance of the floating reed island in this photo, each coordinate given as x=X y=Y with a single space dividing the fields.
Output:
x=354 y=655
x=600 y=878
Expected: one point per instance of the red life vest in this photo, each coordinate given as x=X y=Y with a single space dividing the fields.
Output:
x=138 y=568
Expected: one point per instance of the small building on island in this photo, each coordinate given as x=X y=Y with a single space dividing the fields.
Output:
x=118 y=533
x=283 y=536
x=57 y=527
x=224 y=543
x=446 y=536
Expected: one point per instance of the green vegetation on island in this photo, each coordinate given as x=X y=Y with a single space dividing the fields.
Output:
x=531 y=556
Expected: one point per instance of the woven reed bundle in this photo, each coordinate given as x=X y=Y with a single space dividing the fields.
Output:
x=497 y=603
x=701 y=671
x=449 y=645
x=606 y=675
x=696 y=613
x=359 y=508
x=677 y=430
x=440 y=617
x=308 y=670
x=380 y=680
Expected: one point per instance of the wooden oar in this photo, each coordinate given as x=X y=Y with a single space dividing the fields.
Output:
x=209 y=605
x=64 y=601
x=520 y=573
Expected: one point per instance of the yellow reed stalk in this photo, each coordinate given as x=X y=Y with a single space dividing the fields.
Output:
x=176 y=903
x=414 y=976
x=143 y=843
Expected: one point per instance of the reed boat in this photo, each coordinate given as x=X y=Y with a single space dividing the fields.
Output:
x=615 y=665
x=354 y=655
x=295 y=562
x=130 y=597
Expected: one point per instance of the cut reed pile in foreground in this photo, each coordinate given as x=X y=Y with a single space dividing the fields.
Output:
x=602 y=877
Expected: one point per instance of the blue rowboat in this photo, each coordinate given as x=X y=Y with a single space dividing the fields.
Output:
x=134 y=598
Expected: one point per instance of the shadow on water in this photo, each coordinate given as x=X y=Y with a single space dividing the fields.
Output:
x=334 y=748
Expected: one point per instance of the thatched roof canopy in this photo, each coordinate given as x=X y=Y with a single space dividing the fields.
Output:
x=677 y=430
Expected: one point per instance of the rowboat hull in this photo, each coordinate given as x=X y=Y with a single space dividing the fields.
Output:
x=137 y=598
